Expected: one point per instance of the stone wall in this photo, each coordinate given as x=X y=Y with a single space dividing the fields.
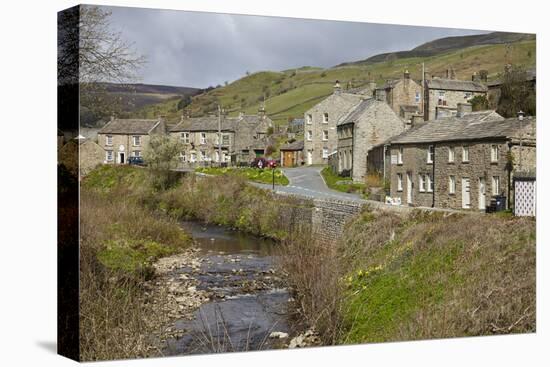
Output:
x=329 y=217
x=452 y=99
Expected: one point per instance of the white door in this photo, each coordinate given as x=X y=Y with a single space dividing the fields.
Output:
x=481 y=193
x=309 y=157
x=465 y=193
x=409 y=188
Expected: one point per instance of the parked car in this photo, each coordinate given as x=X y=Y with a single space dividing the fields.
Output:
x=138 y=161
x=259 y=163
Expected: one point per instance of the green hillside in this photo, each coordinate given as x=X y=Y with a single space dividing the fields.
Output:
x=288 y=94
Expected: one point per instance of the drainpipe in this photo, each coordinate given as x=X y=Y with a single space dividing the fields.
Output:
x=433 y=179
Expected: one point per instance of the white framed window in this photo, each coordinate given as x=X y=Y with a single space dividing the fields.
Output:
x=429 y=183
x=202 y=155
x=225 y=139
x=325 y=152
x=309 y=119
x=431 y=154
x=203 y=138
x=467 y=95
x=136 y=153
x=451 y=154
x=417 y=97
x=193 y=157
x=136 y=140
x=494 y=153
x=108 y=140
x=400 y=155
x=185 y=137
x=183 y=157
x=399 y=182
x=109 y=155
x=421 y=183
x=325 y=118
x=309 y=135
x=452 y=184
x=496 y=185
x=325 y=135
x=441 y=98
x=465 y=154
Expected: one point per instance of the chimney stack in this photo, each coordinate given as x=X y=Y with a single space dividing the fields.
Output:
x=416 y=119
x=261 y=111
x=447 y=74
x=475 y=77
x=462 y=109
x=372 y=85
x=406 y=74
x=427 y=76
x=453 y=74
x=337 y=88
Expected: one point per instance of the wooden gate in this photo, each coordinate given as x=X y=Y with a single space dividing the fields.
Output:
x=288 y=159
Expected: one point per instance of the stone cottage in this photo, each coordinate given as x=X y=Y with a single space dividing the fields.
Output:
x=370 y=123
x=460 y=162
x=403 y=95
x=122 y=138
x=320 y=137
x=292 y=154
x=242 y=138
x=442 y=96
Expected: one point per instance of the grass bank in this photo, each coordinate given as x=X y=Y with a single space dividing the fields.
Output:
x=120 y=239
x=249 y=173
x=404 y=277
x=342 y=184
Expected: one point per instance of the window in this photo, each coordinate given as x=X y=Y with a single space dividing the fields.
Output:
x=441 y=98
x=417 y=97
x=309 y=135
x=452 y=184
x=309 y=119
x=494 y=153
x=325 y=118
x=203 y=138
x=185 y=138
x=225 y=139
x=109 y=155
x=325 y=134
x=496 y=185
x=466 y=154
x=451 y=154
x=467 y=95
x=325 y=152
x=136 y=153
x=136 y=140
x=183 y=157
x=399 y=182
x=429 y=183
x=400 y=155
x=109 y=140
x=193 y=157
x=421 y=183
x=431 y=153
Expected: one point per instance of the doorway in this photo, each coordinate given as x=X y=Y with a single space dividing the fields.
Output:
x=465 y=193
x=409 y=188
x=482 y=193
x=309 y=157
x=121 y=158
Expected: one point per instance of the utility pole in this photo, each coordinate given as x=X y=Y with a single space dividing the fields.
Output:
x=422 y=89
x=219 y=135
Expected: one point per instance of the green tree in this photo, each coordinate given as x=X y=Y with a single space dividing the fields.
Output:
x=161 y=156
x=479 y=103
x=184 y=102
x=516 y=93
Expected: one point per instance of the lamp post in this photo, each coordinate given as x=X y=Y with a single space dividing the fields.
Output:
x=520 y=118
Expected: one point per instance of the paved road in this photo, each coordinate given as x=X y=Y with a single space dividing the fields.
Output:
x=307 y=181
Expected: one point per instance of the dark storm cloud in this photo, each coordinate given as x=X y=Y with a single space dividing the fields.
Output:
x=202 y=49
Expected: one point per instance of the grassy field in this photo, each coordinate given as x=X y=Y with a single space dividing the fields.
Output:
x=343 y=184
x=251 y=174
x=290 y=93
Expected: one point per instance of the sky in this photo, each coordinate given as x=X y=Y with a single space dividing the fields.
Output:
x=195 y=49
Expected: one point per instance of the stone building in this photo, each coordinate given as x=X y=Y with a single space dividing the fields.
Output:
x=122 y=138
x=242 y=138
x=370 y=123
x=292 y=154
x=460 y=162
x=403 y=95
x=91 y=156
x=320 y=137
x=442 y=96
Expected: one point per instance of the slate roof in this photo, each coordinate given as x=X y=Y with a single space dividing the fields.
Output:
x=128 y=126
x=458 y=85
x=473 y=126
x=356 y=112
x=297 y=145
x=210 y=123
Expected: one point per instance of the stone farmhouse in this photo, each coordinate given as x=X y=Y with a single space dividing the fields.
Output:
x=442 y=96
x=460 y=162
x=369 y=123
x=403 y=95
x=123 y=138
x=320 y=137
x=242 y=138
